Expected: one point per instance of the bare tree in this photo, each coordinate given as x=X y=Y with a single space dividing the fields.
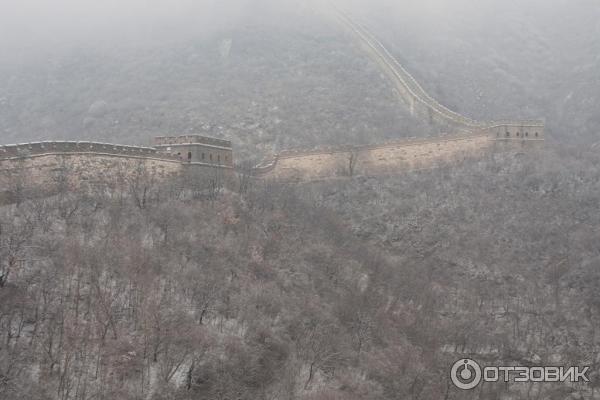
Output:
x=320 y=347
x=15 y=234
x=352 y=160
x=142 y=184
x=244 y=175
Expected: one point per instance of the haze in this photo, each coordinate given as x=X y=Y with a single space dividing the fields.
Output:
x=487 y=59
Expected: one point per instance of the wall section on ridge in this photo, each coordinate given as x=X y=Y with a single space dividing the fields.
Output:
x=82 y=170
x=375 y=160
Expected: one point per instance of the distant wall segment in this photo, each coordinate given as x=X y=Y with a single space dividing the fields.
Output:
x=388 y=158
x=419 y=102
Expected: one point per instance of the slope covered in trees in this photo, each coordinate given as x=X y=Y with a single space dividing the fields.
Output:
x=358 y=288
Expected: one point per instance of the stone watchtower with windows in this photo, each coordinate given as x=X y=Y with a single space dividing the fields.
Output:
x=196 y=149
x=523 y=131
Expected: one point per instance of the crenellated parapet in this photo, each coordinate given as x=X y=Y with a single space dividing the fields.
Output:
x=37 y=149
x=191 y=139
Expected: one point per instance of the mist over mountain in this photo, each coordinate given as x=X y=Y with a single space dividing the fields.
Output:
x=272 y=75
x=494 y=59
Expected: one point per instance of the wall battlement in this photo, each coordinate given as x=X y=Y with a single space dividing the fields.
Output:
x=190 y=139
x=25 y=150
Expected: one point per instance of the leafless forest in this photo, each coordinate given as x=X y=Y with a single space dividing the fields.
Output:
x=354 y=289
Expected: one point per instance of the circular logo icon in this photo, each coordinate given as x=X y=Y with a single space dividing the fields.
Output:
x=465 y=374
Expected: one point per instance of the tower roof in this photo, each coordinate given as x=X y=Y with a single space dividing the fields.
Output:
x=190 y=139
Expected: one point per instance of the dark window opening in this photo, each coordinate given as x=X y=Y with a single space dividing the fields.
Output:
x=189 y=155
x=210 y=156
x=518 y=133
x=203 y=156
x=526 y=133
x=497 y=134
x=536 y=134
x=507 y=134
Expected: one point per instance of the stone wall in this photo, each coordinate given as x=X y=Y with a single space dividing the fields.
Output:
x=517 y=132
x=187 y=139
x=201 y=154
x=43 y=148
x=196 y=149
x=92 y=165
x=387 y=158
x=419 y=102
x=89 y=170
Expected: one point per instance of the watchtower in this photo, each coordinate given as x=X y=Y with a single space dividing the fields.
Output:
x=196 y=149
x=524 y=131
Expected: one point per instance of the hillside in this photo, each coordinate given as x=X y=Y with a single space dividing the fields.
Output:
x=365 y=288
x=532 y=61
x=264 y=86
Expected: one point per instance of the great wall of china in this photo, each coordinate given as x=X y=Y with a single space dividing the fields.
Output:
x=169 y=156
x=93 y=164
x=469 y=136
x=382 y=159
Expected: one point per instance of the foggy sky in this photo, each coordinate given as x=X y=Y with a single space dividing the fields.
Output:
x=30 y=22
x=33 y=27
x=517 y=43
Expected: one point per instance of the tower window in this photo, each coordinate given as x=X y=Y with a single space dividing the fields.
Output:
x=189 y=156
x=210 y=156
x=536 y=134
x=203 y=156
x=518 y=133
x=507 y=134
x=526 y=133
